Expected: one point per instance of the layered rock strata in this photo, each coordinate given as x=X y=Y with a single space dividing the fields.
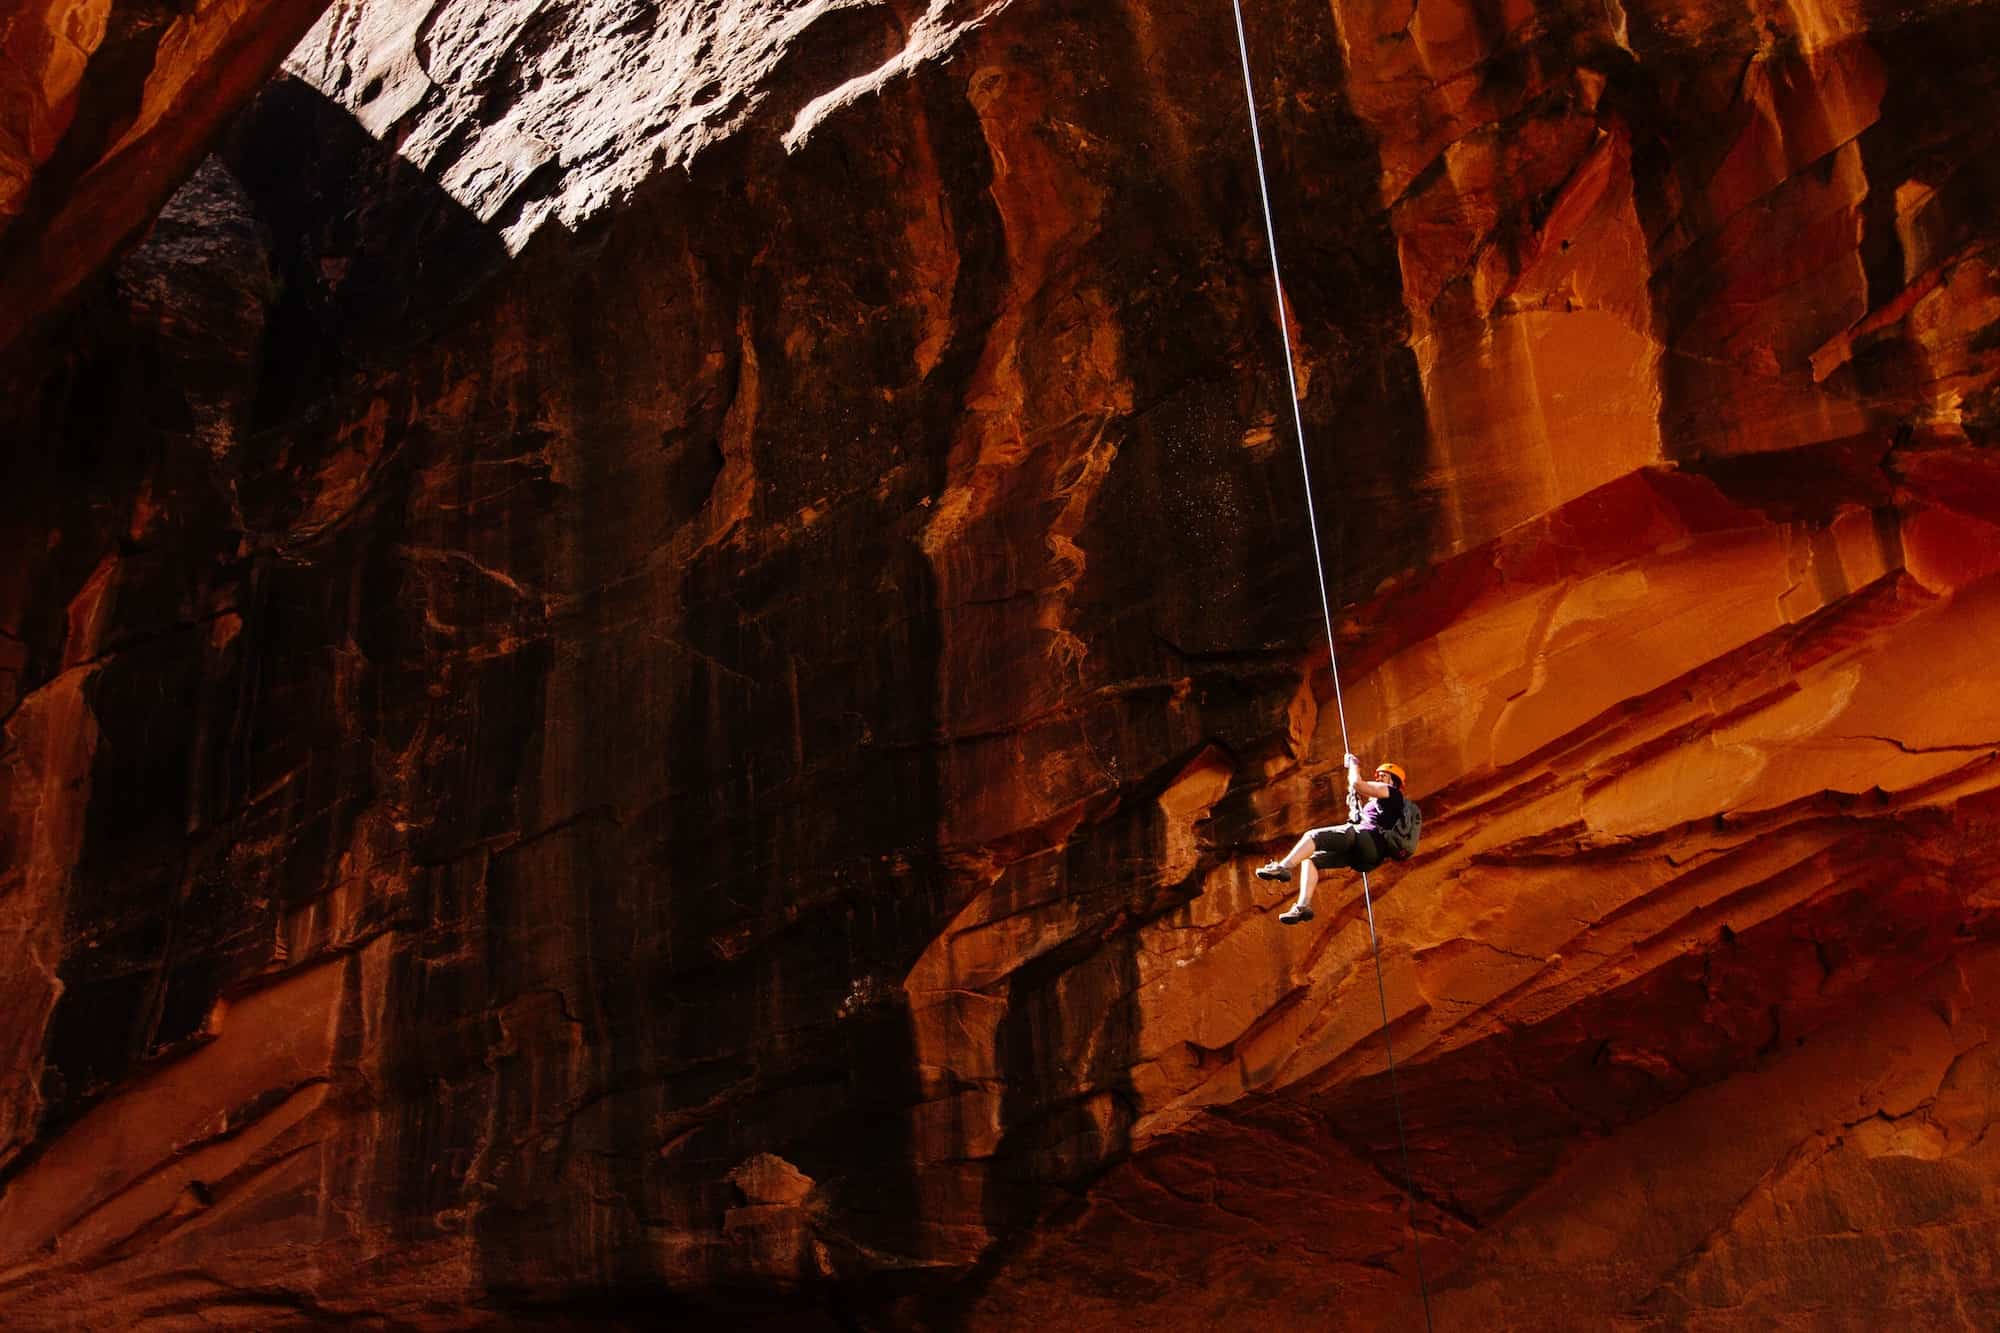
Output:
x=647 y=648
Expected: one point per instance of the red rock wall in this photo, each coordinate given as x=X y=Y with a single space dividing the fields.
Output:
x=109 y=104
x=647 y=652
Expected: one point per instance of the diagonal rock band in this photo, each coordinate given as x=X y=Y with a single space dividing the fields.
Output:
x=646 y=651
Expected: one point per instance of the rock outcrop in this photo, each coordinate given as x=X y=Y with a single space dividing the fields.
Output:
x=109 y=105
x=645 y=650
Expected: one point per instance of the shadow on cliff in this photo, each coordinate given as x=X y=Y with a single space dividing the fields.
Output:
x=738 y=948
x=1211 y=557
x=137 y=372
x=375 y=257
x=785 y=867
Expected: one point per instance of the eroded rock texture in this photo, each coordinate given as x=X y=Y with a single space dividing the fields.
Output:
x=108 y=105
x=647 y=648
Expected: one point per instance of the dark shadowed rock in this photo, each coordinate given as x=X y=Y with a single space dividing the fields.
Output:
x=646 y=652
x=109 y=104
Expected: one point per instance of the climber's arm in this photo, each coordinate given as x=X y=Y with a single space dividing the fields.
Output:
x=1365 y=786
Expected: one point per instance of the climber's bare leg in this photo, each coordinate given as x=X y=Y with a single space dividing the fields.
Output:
x=1302 y=850
x=1282 y=868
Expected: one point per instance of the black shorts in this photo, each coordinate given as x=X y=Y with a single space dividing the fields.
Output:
x=1343 y=846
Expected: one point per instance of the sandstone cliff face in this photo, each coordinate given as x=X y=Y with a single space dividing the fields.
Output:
x=646 y=649
x=109 y=104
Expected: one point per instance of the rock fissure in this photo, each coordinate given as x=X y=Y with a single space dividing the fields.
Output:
x=782 y=841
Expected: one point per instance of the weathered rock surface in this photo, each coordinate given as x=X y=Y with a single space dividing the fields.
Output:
x=646 y=650
x=108 y=106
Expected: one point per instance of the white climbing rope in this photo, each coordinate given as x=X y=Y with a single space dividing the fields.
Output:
x=1332 y=652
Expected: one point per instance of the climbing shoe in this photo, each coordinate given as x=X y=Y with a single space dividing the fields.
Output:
x=1298 y=916
x=1273 y=870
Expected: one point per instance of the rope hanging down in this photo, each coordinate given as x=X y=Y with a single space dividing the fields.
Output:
x=1332 y=653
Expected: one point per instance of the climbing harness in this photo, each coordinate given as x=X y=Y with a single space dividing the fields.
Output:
x=1333 y=658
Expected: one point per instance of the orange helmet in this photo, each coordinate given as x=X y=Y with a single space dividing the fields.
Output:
x=1395 y=771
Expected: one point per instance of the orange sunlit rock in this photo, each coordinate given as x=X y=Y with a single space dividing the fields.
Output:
x=645 y=652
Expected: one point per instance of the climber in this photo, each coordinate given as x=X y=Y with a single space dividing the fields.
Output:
x=1385 y=827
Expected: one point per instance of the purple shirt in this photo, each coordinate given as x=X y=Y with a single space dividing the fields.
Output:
x=1383 y=811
